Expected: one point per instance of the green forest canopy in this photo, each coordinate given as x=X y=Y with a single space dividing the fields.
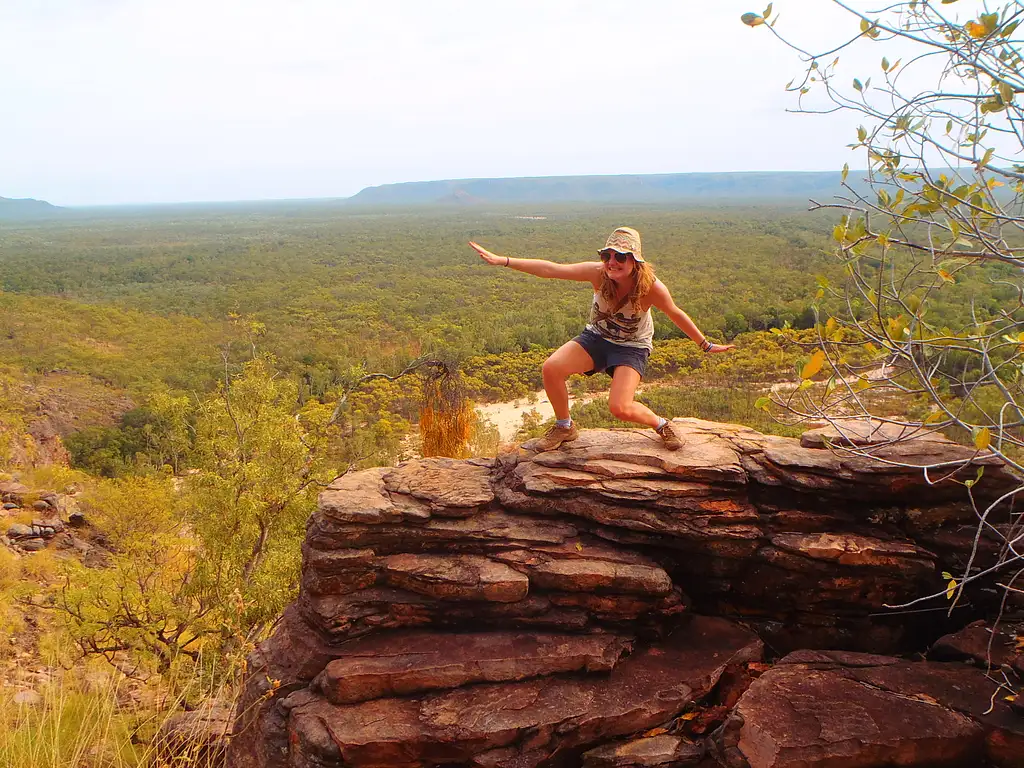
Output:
x=147 y=300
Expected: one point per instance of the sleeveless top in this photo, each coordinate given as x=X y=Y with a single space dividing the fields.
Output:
x=622 y=324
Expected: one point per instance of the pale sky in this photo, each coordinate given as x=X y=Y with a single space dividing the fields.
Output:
x=131 y=101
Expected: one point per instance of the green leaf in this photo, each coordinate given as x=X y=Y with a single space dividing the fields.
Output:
x=762 y=403
x=862 y=133
x=752 y=19
x=846 y=171
x=885 y=64
x=986 y=157
x=805 y=384
x=767 y=11
x=857 y=84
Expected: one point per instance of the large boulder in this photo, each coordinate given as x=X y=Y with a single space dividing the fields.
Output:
x=836 y=709
x=522 y=611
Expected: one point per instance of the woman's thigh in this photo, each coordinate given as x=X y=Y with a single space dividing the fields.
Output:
x=568 y=359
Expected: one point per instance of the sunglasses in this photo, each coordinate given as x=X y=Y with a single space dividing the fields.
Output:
x=606 y=256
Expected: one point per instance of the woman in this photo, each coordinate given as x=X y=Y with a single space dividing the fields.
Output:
x=618 y=337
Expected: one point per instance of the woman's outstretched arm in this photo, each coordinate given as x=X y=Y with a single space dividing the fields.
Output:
x=584 y=271
x=662 y=299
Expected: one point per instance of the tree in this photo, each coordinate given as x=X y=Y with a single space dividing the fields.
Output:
x=140 y=602
x=260 y=466
x=204 y=571
x=200 y=565
x=930 y=238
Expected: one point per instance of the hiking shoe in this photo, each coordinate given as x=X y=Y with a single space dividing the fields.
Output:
x=556 y=436
x=668 y=436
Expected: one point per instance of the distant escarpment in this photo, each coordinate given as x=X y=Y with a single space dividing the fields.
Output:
x=759 y=186
x=613 y=603
x=26 y=208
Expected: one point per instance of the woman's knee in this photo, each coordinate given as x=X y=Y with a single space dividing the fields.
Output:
x=620 y=408
x=552 y=369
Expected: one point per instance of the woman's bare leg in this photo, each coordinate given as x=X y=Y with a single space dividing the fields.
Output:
x=568 y=359
x=620 y=399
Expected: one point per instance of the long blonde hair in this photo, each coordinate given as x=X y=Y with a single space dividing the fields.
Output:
x=643 y=281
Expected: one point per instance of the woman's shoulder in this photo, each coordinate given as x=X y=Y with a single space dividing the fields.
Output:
x=657 y=289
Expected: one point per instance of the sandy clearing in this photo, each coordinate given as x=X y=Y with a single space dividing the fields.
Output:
x=508 y=416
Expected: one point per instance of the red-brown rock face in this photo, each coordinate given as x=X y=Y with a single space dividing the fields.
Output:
x=525 y=611
x=854 y=710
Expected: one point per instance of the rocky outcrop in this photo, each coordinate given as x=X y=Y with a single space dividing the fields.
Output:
x=841 y=709
x=532 y=722
x=31 y=519
x=534 y=609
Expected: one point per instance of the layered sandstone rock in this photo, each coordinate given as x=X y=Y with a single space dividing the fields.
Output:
x=842 y=709
x=527 y=610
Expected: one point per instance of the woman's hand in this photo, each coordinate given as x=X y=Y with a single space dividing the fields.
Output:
x=490 y=258
x=719 y=348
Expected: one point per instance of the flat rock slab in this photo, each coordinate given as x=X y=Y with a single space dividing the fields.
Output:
x=360 y=498
x=868 y=432
x=406 y=663
x=352 y=615
x=491 y=529
x=980 y=645
x=601 y=576
x=846 y=710
x=456 y=577
x=620 y=453
x=523 y=724
x=652 y=752
x=861 y=551
x=447 y=485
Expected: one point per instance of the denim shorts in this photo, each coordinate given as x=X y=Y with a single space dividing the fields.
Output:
x=608 y=355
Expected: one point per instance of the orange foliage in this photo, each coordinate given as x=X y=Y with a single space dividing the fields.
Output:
x=446 y=417
x=446 y=433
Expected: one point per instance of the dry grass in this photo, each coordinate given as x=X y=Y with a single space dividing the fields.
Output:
x=94 y=725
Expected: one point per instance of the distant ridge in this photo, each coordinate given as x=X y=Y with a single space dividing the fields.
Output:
x=26 y=208
x=654 y=188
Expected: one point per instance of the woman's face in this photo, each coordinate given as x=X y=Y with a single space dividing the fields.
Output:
x=615 y=269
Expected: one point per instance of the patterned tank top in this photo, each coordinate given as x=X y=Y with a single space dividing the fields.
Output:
x=621 y=324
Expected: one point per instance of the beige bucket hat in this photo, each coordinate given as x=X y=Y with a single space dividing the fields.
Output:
x=624 y=240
